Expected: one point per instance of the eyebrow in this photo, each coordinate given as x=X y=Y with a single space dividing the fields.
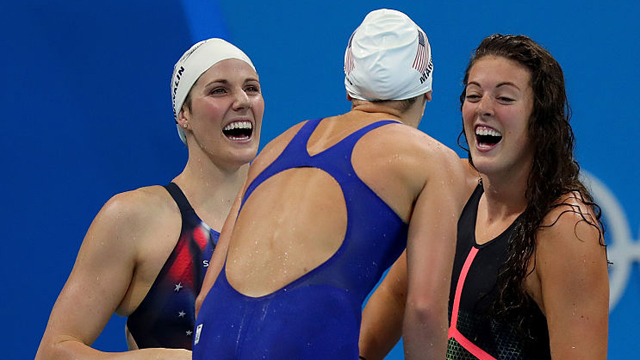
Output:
x=504 y=83
x=225 y=81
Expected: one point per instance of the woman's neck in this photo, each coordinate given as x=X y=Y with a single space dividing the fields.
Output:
x=210 y=189
x=504 y=197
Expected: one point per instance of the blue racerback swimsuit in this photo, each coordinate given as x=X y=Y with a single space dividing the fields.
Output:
x=166 y=316
x=317 y=316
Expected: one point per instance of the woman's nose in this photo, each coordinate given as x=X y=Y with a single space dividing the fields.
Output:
x=242 y=100
x=485 y=106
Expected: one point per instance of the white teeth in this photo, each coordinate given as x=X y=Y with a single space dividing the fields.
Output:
x=484 y=131
x=239 y=125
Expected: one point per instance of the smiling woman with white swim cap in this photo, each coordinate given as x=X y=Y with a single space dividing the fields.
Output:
x=147 y=250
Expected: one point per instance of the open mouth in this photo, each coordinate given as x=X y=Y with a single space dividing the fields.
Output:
x=238 y=130
x=486 y=136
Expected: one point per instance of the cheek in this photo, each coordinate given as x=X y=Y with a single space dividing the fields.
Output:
x=520 y=123
x=468 y=115
x=258 y=108
x=211 y=110
x=468 y=111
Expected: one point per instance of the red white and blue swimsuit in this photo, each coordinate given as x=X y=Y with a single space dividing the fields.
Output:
x=166 y=316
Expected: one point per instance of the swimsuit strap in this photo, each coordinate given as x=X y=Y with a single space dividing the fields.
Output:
x=179 y=197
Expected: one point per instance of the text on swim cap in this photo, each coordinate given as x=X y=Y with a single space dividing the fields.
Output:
x=427 y=72
x=175 y=90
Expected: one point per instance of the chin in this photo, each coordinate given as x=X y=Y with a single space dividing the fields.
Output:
x=245 y=157
x=483 y=164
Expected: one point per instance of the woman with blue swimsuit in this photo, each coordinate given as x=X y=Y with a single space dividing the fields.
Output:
x=328 y=206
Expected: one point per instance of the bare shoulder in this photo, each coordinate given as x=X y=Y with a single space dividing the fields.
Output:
x=570 y=237
x=406 y=140
x=409 y=153
x=140 y=205
x=572 y=217
x=398 y=162
x=130 y=238
x=438 y=161
x=571 y=281
x=131 y=217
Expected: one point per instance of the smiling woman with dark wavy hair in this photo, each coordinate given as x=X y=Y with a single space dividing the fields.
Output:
x=530 y=276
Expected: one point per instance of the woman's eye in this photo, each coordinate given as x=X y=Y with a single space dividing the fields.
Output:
x=218 y=91
x=252 y=88
x=505 y=99
x=472 y=97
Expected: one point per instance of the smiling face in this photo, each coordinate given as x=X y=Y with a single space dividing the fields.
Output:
x=496 y=111
x=224 y=113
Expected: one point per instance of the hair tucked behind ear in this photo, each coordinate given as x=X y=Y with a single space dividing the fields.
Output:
x=554 y=171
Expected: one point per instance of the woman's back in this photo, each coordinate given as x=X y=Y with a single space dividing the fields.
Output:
x=296 y=210
x=312 y=238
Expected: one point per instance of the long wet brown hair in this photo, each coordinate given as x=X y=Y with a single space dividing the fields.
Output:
x=554 y=171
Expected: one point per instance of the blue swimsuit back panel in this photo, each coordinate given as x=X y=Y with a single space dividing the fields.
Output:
x=317 y=316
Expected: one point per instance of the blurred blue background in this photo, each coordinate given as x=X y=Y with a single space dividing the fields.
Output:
x=86 y=90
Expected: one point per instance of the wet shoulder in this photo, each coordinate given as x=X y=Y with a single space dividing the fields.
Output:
x=141 y=208
x=399 y=143
x=570 y=261
x=571 y=229
x=398 y=137
x=568 y=211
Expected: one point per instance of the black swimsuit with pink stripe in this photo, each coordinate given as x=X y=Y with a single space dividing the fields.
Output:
x=474 y=333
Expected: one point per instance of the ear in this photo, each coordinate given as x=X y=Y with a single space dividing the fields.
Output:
x=428 y=95
x=349 y=98
x=183 y=117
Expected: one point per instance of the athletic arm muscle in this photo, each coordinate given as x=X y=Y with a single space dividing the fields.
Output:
x=430 y=251
x=572 y=268
x=95 y=288
x=382 y=316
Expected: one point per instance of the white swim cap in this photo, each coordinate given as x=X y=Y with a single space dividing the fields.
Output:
x=193 y=63
x=388 y=58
